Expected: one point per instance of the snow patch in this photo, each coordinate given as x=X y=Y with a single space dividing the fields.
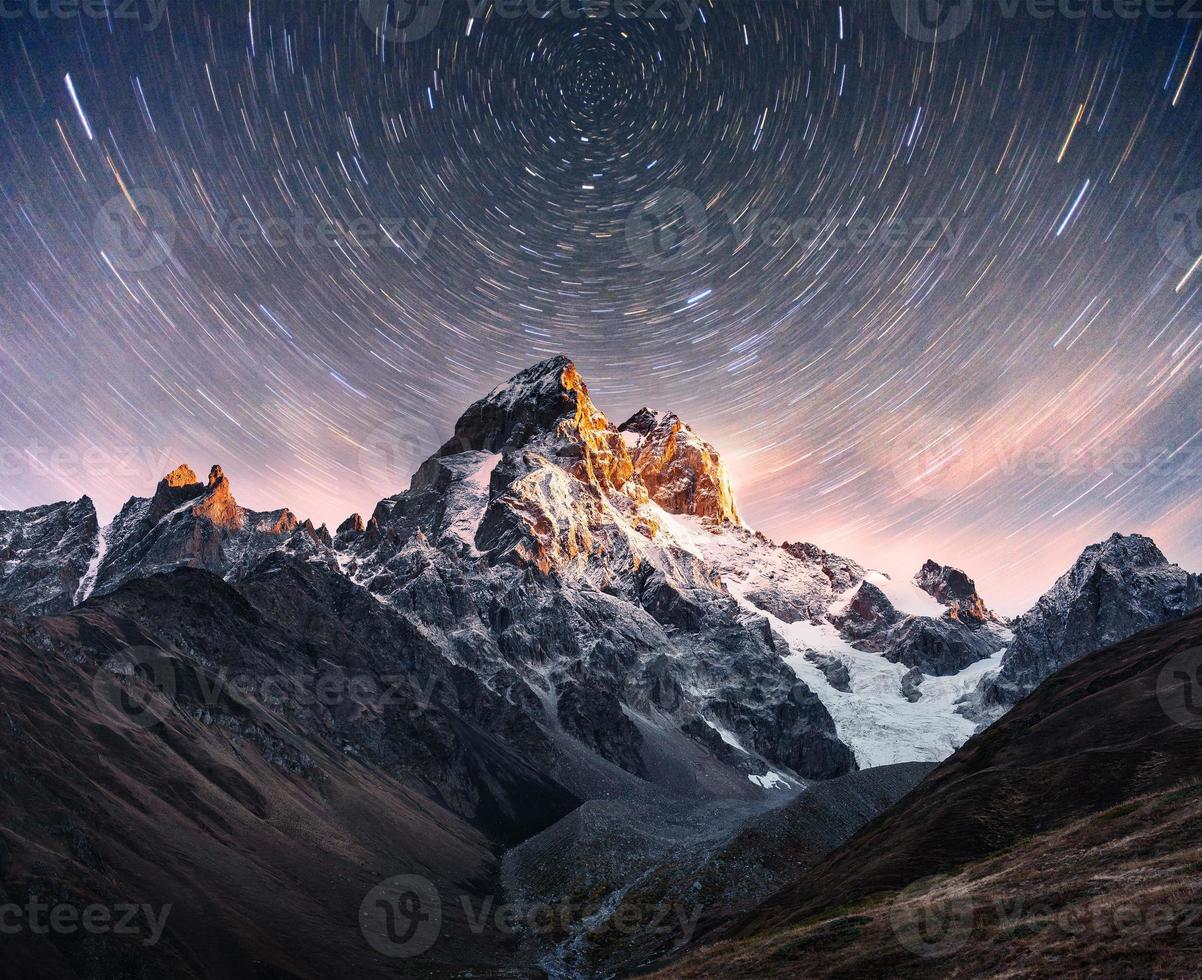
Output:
x=773 y=780
x=88 y=582
x=907 y=597
x=876 y=720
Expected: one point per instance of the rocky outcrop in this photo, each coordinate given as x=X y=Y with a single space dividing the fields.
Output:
x=45 y=553
x=835 y=670
x=954 y=589
x=1116 y=589
x=190 y=524
x=939 y=647
x=935 y=647
x=681 y=471
x=842 y=573
x=911 y=685
x=867 y=619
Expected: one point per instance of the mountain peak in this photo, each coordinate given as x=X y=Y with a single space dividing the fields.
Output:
x=1117 y=588
x=532 y=403
x=953 y=588
x=218 y=503
x=1135 y=549
x=682 y=472
x=182 y=476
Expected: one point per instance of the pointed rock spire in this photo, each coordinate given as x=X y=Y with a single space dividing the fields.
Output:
x=954 y=589
x=682 y=472
x=218 y=503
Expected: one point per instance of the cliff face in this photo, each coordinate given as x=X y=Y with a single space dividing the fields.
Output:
x=45 y=553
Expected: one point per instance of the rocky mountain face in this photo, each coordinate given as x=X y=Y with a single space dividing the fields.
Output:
x=682 y=472
x=531 y=546
x=954 y=589
x=190 y=524
x=600 y=579
x=45 y=553
x=1116 y=589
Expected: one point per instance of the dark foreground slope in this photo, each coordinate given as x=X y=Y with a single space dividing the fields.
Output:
x=1065 y=839
x=161 y=821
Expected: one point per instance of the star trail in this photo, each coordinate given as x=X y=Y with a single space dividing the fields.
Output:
x=931 y=284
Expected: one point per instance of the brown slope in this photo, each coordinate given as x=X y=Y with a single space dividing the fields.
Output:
x=263 y=842
x=1101 y=736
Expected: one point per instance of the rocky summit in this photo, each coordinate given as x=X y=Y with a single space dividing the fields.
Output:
x=1114 y=590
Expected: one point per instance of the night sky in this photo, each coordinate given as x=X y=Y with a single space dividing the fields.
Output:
x=929 y=299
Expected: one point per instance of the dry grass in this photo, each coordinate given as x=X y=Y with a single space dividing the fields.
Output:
x=1118 y=894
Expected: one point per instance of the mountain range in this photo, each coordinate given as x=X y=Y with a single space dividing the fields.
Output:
x=557 y=670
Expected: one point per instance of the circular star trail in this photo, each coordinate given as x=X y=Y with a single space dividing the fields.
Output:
x=931 y=287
